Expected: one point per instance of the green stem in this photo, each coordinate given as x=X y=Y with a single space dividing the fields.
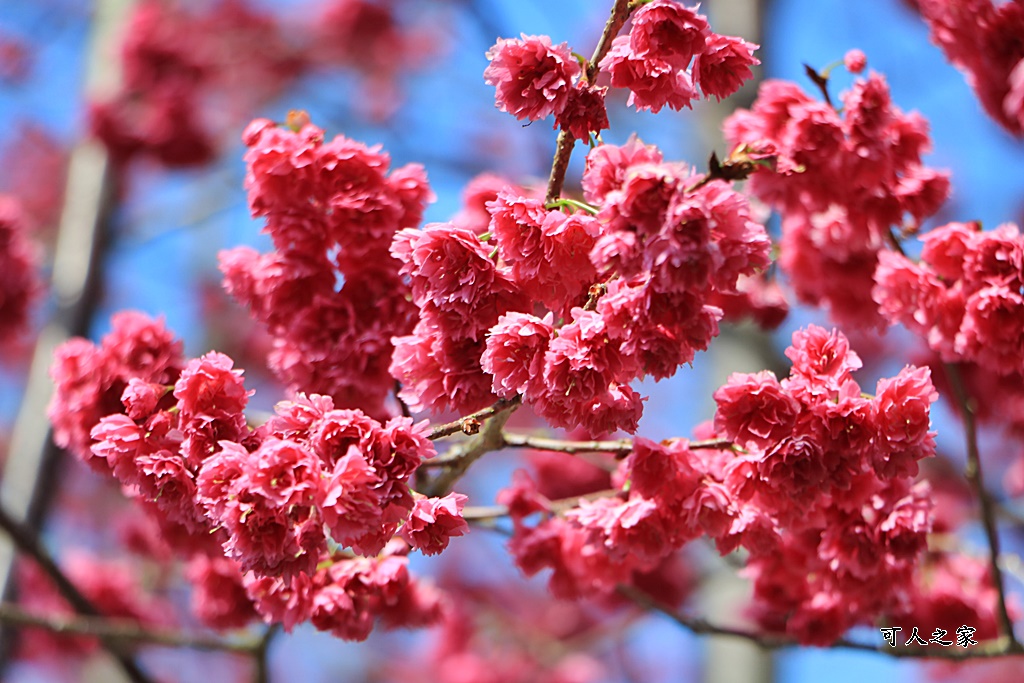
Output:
x=572 y=203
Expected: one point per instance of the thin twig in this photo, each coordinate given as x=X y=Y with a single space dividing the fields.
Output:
x=470 y=424
x=480 y=513
x=76 y=280
x=29 y=544
x=984 y=650
x=974 y=475
x=820 y=81
x=402 y=405
x=563 y=147
x=119 y=630
x=619 y=447
x=488 y=439
x=262 y=674
x=894 y=240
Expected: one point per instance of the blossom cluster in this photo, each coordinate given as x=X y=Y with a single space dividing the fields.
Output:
x=654 y=60
x=367 y=38
x=664 y=500
x=825 y=499
x=625 y=284
x=964 y=297
x=311 y=515
x=997 y=400
x=38 y=161
x=345 y=596
x=329 y=294
x=275 y=500
x=842 y=183
x=534 y=79
x=189 y=70
x=91 y=379
x=19 y=283
x=169 y=60
x=818 y=488
x=952 y=589
x=759 y=298
x=504 y=633
x=982 y=39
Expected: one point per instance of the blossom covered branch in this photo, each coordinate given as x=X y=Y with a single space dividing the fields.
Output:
x=554 y=309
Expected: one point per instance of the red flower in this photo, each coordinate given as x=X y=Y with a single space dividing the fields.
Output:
x=653 y=82
x=724 y=65
x=434 y=521
x=666 y=30
x=532 y=77
x=584 y=113
x=754 y=410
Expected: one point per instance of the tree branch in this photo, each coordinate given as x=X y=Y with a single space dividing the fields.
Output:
x=563 y=146
x=470 y=424
x=29 y=544
x=82 y=241
x=974 y=475
x=620 y=447
x=700 y=626
x=120 y=630
x=259 y=653
x=488 y=439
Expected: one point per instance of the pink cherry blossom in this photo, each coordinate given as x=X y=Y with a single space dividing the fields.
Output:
x=434 y=521
x=723 y=66
x=532 y=77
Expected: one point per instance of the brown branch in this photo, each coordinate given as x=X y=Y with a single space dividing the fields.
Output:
x=119 y=630
x=76 y=279
x=259 y=653
x=560 y=164
x=820 y=81
x=620 y=447
x=480 y=513
x=470 y=424
x=540 y=443
x=974 y=475
x=563 y=146
x=701 y=626
x=465 y=454
x=402 y=405
x=511 y=440
x=894 y=240
x=28 y=543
